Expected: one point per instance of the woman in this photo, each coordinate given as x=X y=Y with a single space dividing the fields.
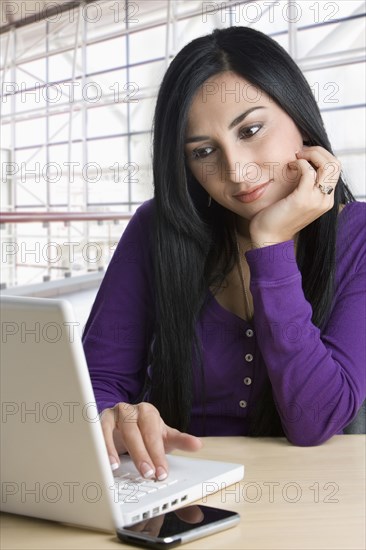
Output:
x=233 y=304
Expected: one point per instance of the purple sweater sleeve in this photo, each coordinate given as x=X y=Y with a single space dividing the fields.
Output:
x=119 y=328
x=318 y=378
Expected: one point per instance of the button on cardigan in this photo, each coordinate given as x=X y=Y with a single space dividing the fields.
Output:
x=318 y=378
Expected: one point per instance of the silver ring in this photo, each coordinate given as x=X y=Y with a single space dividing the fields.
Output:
x=326 y=189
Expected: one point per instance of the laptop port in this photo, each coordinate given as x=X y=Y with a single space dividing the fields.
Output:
x=155 y=511
x=183 y=498
x=165 y=506
x=145 y=515
x=174 y=502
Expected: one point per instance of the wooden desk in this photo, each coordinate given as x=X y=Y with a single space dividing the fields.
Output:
x=290 y=498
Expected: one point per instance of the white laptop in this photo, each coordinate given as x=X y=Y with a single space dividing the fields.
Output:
x=54 y=462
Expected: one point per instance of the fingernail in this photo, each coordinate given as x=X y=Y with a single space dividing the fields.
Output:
x=146 y=470
x=114 y=464
x=292 y=164
x=161 y=473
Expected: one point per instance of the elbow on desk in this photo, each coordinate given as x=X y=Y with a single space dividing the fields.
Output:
x=310 y=434
x=308 y=441
x=314 y=439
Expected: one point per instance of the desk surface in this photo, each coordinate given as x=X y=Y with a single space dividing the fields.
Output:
x=290 y=498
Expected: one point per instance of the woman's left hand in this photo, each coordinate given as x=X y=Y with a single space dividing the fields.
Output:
x=284 y=219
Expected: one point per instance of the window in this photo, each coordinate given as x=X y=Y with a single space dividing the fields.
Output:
x=79 y=91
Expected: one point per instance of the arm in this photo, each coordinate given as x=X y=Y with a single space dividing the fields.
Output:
x=116 y=341
x=318 y=379
x=119 y=328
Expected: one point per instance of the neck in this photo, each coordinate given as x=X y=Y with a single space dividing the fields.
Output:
x=241 y=226
x=243 y=279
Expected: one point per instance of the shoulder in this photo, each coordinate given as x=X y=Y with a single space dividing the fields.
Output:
x=135 y=243
x=351 y=237
x=352 y=224
x=354 y=212
x=145 y=212
x=139 y=225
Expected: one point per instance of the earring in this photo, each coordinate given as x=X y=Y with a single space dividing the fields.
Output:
x=209 y=201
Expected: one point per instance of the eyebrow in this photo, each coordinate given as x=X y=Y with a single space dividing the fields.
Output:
x=232 y=124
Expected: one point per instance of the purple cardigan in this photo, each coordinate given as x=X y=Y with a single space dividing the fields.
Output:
x=318 y=378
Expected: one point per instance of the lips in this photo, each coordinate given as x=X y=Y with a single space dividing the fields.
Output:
x=253 y=194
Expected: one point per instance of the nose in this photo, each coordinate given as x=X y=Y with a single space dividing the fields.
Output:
x=239 y=166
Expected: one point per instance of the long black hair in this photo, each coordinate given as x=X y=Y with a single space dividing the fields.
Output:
x=189 y=237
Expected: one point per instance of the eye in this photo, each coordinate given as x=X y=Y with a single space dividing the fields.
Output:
x=202 y=152
x=243 y=132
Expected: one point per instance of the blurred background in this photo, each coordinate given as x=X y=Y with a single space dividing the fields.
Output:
x=79 y=82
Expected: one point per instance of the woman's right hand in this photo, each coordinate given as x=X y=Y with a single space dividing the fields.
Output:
x=140 y=431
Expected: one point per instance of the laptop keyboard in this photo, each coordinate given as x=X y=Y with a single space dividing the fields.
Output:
x=131 y=488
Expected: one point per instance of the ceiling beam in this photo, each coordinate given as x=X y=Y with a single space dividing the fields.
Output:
x=43 y=14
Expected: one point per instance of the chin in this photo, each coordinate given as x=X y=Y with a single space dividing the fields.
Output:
x=251 y=210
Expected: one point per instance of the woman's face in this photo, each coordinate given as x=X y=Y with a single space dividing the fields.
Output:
x=238 y=140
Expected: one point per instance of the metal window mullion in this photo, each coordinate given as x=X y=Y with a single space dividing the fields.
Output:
x=13 y=197
x=292 y=31
x=128 y=105
x=75 y=50
x=174 y=45
x=167 y=33
x=6 y=63
x=347 y=152
x=9 y=182
x=79 y=140
x=330 y=63
x=354 y=52
x=48 y=190
x=84 y=123
x=30 y=206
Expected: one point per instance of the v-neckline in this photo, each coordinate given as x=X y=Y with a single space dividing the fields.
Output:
x=227 y=313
